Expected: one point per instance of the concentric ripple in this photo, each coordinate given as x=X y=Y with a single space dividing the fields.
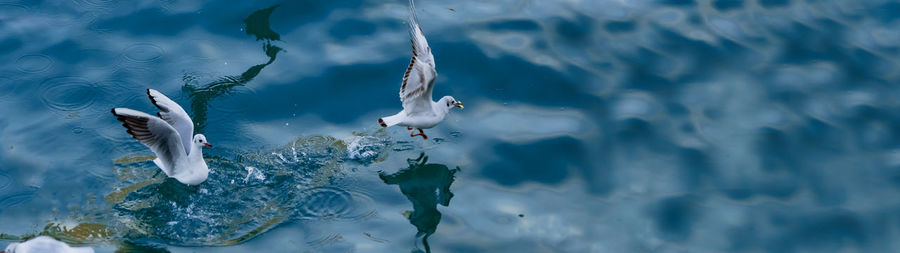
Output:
x=5 y=181
x=15 y=198
x=67 y=93
x=324 y=202
x=143 y=52
x=34 y=63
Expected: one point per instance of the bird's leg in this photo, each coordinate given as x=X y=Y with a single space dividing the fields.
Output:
x=421 y=133
x=408 y=128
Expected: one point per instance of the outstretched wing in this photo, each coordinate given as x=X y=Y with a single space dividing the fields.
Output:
x=418 y=81
x=154 y=133
x=173 y=114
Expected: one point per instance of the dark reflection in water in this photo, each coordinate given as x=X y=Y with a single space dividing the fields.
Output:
x=189 y=215
x=425 y=185
x=129 y=247
x=256 y=24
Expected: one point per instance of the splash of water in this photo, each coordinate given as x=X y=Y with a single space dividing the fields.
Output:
x=298 y=181
x=368 y=149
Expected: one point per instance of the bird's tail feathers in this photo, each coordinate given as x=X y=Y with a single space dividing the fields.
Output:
x=390 y=120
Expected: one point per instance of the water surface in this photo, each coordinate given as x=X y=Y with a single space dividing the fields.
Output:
x=590 y=126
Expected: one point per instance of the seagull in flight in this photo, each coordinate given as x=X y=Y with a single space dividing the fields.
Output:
x=419 y=111
x=169 y=136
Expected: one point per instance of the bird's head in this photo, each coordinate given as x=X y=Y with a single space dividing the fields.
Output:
x=451 y=102
x=200 y=140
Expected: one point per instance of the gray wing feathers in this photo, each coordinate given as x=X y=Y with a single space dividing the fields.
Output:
x=173 y=114
x=154 y=133
x=415 y=31
x=418 y=81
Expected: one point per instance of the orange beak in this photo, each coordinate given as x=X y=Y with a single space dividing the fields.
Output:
x=459 y=104
x=207 y=144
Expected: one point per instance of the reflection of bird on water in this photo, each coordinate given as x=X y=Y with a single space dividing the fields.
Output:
x=256 y=24
x=415 y=92
x=130 y=246
x=425 y=185
x=156 y=134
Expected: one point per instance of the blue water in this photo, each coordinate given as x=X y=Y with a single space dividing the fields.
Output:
x=590 y=126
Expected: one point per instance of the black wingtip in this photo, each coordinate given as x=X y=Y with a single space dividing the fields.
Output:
x=151 y=97
x=153 y=100
x=381 y=122
x=118 y=117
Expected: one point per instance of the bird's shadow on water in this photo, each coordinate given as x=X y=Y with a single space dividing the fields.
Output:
x=425 y=185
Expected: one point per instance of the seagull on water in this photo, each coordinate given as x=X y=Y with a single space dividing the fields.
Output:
x=415 y=93
x=42 y=244
x=169 y=136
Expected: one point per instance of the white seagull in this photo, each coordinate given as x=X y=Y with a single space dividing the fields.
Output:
x=418 y=110
x=169 y=136
x=42 y=244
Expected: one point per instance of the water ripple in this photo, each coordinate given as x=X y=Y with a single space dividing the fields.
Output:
x=324 y=202
x=5 y=181
x=67 y=93
x=16 y=198
x=34 y=63
x=143 y=52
